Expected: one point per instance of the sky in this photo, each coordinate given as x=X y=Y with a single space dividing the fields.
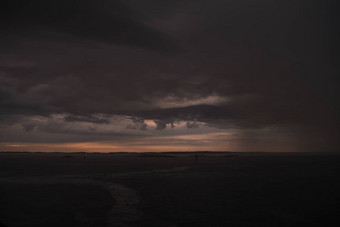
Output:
x=179 y=75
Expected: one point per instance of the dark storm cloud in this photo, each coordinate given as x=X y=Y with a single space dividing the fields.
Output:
x=54 y=128
x=28 y=127
x=275 y=62
x=137 y=123
x=192 y=125
x=92 y=119
x=108 y=21
x=162 y=124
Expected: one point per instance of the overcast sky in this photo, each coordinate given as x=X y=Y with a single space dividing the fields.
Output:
x=169 y=75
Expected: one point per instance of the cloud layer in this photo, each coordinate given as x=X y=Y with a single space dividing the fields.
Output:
x=230 y=65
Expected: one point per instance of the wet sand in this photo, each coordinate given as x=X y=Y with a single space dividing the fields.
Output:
x=169 y=189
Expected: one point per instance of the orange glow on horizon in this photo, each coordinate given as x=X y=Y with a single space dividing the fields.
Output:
x=221 y=141
x=104 y=147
